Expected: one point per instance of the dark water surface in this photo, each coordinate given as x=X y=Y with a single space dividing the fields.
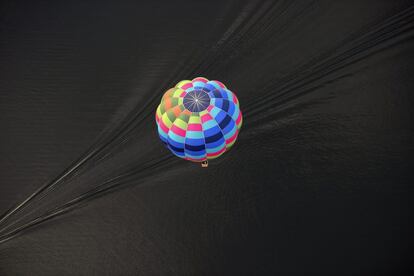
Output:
x=320 y=181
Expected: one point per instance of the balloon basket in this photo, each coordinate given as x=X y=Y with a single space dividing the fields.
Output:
x=204 y=164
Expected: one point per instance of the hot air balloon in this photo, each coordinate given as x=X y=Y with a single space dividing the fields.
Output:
x=199 y=119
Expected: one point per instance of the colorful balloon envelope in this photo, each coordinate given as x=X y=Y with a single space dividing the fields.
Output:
x=199 y=119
